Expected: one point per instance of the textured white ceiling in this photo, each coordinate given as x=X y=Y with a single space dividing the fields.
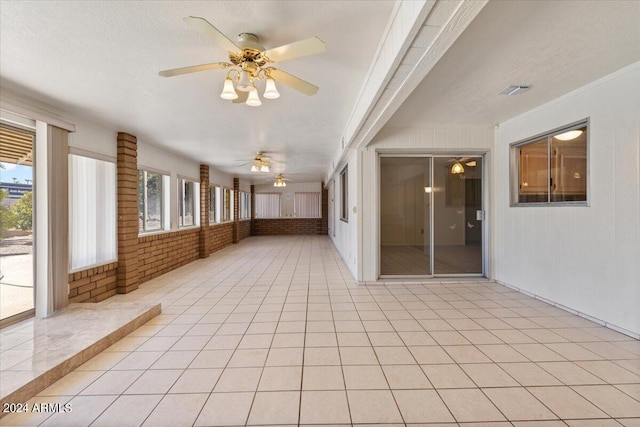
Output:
x=554 y=46
x=99 y=60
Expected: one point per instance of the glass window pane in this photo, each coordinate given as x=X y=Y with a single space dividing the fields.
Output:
x=180 y=202
x=569 y=166
x=533 y=172
x=188 y=204
x=344 y=205
x=140 y=201
x=153 y=202
x=227 y=205
x=212 y=204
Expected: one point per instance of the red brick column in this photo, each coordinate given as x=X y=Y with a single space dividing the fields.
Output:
x=236 y=203
x=253 y=209
x=325 y=210
x=127 y=162
x=204 y=211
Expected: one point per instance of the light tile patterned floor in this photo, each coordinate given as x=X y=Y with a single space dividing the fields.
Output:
x=274 y=331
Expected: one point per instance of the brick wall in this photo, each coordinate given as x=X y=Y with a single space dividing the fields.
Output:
x=93 y=284
x=220 y=236
x=161 y=253
x=245 y=228
x=275 y=226
x=290 y=226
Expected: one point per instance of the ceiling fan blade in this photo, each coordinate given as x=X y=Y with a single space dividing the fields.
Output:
x=311 y=46
x=193 y=69
x=293 y=82
x=242 y=97
x=212 y=32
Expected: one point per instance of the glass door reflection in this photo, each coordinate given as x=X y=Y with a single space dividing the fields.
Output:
x=457 y=213
x=405 y=216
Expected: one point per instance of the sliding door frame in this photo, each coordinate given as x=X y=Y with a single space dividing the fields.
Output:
x=483 y=155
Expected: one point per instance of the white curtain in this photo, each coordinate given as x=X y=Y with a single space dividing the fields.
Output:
x=93 y=212
x=306 y=205
x=267 y=205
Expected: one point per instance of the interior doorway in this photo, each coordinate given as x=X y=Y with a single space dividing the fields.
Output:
x=431 y=213
x=17 y=296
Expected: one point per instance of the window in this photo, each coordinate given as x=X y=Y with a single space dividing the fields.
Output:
x=151 y=196
x=245 y=206
x=227 y=213
x=214 y=204
x=92 y=215
x=344 y=202
x=551 y=168
x=186 y=203
x=267 y=205
x=307 y=205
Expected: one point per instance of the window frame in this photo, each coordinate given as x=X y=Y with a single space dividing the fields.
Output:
x=344 y=194
x=515 y=167
x=244 y=205
x=215 y=214
x=163 y=220
x=72 y=230
x=181 y=203
x=227 y=192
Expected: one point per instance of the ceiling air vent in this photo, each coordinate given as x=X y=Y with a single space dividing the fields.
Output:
x=514 y=90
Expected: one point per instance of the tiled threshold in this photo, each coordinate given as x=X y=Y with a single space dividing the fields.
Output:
x=35 y=353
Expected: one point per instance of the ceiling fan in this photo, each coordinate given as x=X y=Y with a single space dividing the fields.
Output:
x=260 y=163
x=280 y=181
x=249 y=61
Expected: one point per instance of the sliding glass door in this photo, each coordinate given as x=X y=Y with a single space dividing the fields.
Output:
x=431 y=216
x=16 y=224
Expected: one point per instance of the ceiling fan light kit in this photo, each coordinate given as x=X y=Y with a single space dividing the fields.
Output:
x=253 y=100
x=228 y=92
x=280 y=181
x=457 y=168
x=260 y=163
x=270 y=90
x=250 y=63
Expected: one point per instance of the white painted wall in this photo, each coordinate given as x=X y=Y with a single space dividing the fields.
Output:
x=584 y=258
x=94 y=139
x=221 y=179
x=428 y=140
x=346 y=233
x=287 y=194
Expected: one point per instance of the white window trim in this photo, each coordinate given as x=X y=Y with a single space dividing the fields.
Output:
x=217 y=217
x=196 y=203
x=166 y=210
